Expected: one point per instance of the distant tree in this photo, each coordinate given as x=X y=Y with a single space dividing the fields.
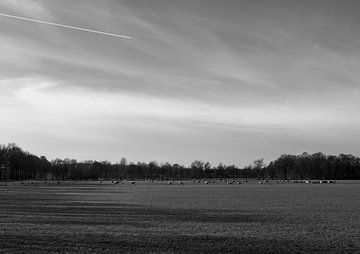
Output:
x=207 y=169
x=259 y=163
x=123 y=163
x=258 y=166
x=197 y=168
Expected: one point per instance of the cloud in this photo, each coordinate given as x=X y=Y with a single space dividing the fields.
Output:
x=29 y=8
x=50 y=98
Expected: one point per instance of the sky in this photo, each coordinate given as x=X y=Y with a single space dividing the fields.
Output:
x=221 y=81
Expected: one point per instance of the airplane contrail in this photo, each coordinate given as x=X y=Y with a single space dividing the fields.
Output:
x=65 y=26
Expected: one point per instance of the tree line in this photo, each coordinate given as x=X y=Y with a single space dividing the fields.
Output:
x=16 y=164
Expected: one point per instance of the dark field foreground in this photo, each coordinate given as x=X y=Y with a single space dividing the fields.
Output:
x=247 y=218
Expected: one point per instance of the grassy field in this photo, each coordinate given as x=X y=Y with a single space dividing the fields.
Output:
x=198 y=218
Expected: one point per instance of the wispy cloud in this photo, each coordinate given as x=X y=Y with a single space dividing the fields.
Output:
x=29 y=8
x=51 y=98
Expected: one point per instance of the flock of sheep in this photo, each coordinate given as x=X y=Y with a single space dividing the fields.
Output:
x=227 y=181
x=203 y=181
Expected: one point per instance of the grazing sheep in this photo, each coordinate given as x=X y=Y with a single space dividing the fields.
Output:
x=181 y=183
x=206 y=182
x=132 y=182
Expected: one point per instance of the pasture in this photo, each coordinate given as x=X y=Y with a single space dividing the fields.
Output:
x=190 y=218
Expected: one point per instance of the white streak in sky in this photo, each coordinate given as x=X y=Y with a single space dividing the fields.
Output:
x=65 y=26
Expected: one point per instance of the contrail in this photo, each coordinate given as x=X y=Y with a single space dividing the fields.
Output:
x=65 y=26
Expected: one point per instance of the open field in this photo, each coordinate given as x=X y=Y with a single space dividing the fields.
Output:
x=247 y=218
